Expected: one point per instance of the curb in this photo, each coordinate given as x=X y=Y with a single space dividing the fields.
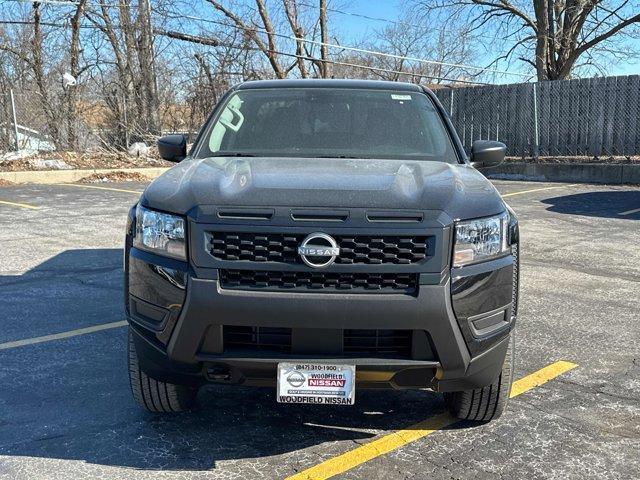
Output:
x=69 y=176
x=612 y=174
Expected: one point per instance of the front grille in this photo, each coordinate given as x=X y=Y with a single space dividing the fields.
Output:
x=319 y=281
x=354 y=249
x=516 y=279
x=257 y=338
x=378 y=342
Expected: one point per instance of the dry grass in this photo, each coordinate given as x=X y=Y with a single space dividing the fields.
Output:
x=117 y=176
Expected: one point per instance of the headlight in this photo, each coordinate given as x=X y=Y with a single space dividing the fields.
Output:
x=160 y=233
x=480 y=239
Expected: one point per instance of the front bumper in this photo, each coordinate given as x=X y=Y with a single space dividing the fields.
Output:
x=461 y=326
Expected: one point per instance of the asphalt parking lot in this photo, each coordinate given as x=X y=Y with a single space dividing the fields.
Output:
x=66 y=410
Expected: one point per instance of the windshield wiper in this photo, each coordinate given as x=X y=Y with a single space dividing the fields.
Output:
x=231 y=154
x=337 y=156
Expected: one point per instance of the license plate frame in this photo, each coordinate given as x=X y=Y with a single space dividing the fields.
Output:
x=316 y=383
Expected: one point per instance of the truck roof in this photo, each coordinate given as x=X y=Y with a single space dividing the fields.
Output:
x=330 y=83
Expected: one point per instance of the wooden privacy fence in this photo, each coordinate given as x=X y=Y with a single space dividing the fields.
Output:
x=582 y=117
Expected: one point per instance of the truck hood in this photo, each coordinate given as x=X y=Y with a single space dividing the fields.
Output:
x=458 y=190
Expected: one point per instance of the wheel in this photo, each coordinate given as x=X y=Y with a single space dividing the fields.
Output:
x=154 y=395
x=486 y=403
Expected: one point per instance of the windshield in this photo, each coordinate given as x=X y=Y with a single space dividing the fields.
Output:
x=321 y=122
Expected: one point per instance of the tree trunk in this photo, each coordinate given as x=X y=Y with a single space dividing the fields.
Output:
x=324 y=38
x=74 y=67
x=146 y=58
x=38 y=73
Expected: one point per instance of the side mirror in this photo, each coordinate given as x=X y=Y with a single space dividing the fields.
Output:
x=173 y=147
x=487 y=153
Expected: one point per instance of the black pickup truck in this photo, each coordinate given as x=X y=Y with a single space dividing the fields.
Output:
x=323 y=237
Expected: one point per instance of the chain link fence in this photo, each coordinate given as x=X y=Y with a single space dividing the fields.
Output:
x=27 y=123
x=591 y=117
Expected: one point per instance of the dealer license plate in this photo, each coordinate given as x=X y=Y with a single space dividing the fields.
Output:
x=316 y=383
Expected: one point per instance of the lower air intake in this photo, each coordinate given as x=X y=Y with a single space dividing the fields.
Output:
x=319 y=281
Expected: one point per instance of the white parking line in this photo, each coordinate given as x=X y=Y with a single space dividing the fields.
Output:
x=629 y=212
x=537 y=190
x=61 y=335
x=110 y=189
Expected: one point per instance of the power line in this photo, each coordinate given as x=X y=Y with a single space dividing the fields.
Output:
x=406 y=24
x=216 y=43
x=72 y=3
x=353 y=49
x=314 y=42
x=360 y=15
x=186 y=38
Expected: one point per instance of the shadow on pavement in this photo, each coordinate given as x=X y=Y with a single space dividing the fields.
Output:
x=70 y=399
x=609 y=204
x=74 y=289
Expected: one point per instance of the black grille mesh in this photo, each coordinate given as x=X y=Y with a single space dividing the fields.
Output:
x=384 y=342
x=391 y=343
x=257 y=338
x=321 y=281
x=280 y=247
x=516 y=279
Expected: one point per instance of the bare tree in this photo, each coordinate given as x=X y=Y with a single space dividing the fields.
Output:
x=147 y=67
x=403 y=43
x=549 y=35
x=133 y=97
x=324 y=36
x=269 y=46
x=71 y=92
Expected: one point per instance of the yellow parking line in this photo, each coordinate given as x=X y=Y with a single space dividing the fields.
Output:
x=537 y=190
x=61 y=335
x=21 y=205
x=629 y=212
x=138 y=192
x=400 y=438
x=540 y=377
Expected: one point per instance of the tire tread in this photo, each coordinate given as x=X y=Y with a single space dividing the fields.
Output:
x=154 y=395
x=486 y=403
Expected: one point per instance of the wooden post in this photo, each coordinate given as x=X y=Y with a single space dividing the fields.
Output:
x=536 y=135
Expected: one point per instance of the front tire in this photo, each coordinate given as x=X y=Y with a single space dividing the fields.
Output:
x=486 y=403
x=153 y=395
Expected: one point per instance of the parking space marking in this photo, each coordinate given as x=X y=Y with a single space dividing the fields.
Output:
x=400 y=438
x=137 y=192
x=21 y=205
x=540 y=377
x=61 y=335
x=630 y=212
x=537 y=190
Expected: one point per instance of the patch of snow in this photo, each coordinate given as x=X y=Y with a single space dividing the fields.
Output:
x=138 y=149
x=19 y=155
x=50 y=164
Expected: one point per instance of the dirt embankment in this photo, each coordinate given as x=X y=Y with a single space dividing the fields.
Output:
x=75 y=160
x=117 y=176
